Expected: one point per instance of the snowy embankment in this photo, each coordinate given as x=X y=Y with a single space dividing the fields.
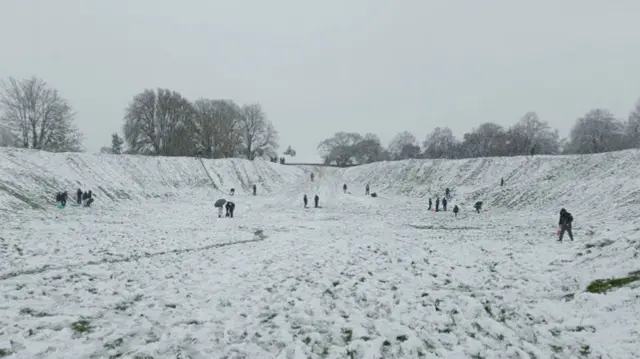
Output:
x=148 y=272
x=30 y=179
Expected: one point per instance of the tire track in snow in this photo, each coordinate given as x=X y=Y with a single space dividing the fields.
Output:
x=135 y=257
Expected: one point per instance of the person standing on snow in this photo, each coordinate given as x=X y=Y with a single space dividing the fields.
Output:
x=444 y=204
x=305 y=200
x=456 y=210
x=311 y=176
x=254 y=189
x=344 y=188
x=437 y=204
x=79 y=196
x=316 y=199
x=430 y=203
x=447 y=193
x=232 y=192
x=366 y=190
x=565 y=224
x=230 y=206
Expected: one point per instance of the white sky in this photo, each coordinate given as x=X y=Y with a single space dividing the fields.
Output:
x=326 y=66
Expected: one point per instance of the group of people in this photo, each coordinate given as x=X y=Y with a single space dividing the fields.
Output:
x=82 y=198
x=254 y=188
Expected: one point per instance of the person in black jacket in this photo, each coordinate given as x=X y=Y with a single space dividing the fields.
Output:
x=444 y=204
x=565 y=224
x=229 y=206
x=430 y=203
x=316 y=199
x=456 y=209
x=305 y=200
x=255 y=188
x=344 y=188
x=366 y=190
x=437 y=204
x=79 y=196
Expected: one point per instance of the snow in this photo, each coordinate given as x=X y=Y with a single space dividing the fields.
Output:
x=156 y=274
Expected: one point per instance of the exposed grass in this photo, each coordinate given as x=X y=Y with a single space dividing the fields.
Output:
x=81 y=326
x=605 y=285
x=5 y=352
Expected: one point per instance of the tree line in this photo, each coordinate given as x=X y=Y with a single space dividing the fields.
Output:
x=158 y=122
x=162 y=122
x=597 y=131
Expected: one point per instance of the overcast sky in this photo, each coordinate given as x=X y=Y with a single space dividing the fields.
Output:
x=319 y=67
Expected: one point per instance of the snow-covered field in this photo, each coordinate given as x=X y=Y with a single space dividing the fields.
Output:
x=151 y=272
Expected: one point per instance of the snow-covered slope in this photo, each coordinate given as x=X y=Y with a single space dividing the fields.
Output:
x=151 y=272
x=593 y=184
x=30 y=179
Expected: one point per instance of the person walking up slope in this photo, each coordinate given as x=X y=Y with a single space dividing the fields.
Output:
x=565 y=224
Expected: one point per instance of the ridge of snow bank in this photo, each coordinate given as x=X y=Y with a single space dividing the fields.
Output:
x=30 y=178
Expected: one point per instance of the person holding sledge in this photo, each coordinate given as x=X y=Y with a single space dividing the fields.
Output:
x=564 y=224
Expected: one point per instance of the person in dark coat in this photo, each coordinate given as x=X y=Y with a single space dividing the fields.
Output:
x=305 y=200
x=366 y=190
x=437 y=204
x=79 y=196
x=316 y=199
x=447 y=193
x=456 y=210
x=430 y=203
x=478 y=206
x=90 y=194
x=565 y=224
x=255 y=188
x=501 y=181
x=229 y=206
x=344 y=188
x=232 y=192
x=311 y=177
x=444 y=204
x=58 y=198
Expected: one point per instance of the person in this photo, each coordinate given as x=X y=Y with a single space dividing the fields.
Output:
x=478 y=206
x=447 y=193
x=316 y=199
x=444 y=204
x=430 y=203
x=366 y=190
x=65 y=196
x=254 y=189
x=85 y=197
x=232 y=192
x=305 y=200
x=456 y=210
x=220 y=212
x=89 y=201
x=437 y=204
x=501 y=181
x=312 y=177
x=230 y=206
x=59 y=199
x=79 y=196
x=344 y=188
x=565 y=224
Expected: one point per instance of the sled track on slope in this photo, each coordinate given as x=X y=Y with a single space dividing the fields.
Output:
x=131 y=258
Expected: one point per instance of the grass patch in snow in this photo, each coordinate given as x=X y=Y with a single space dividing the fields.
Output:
x=5 y=352
x=81 y=326
x=605 y=285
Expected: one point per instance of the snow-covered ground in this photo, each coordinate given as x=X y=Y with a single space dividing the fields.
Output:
x=150 y=272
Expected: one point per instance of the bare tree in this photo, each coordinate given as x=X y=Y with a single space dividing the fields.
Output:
x=440 y=144
x=633 y=127
x=369 y=150
x=116 y=144
x=404 y=145
x=159 y=122
x=489 y=139
x=37 y=117
x=340 y=149
x=6 y=138
x=218 y=127
x=258 y=135
x=290 y=152
x=598 y=131
x=532 y=136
